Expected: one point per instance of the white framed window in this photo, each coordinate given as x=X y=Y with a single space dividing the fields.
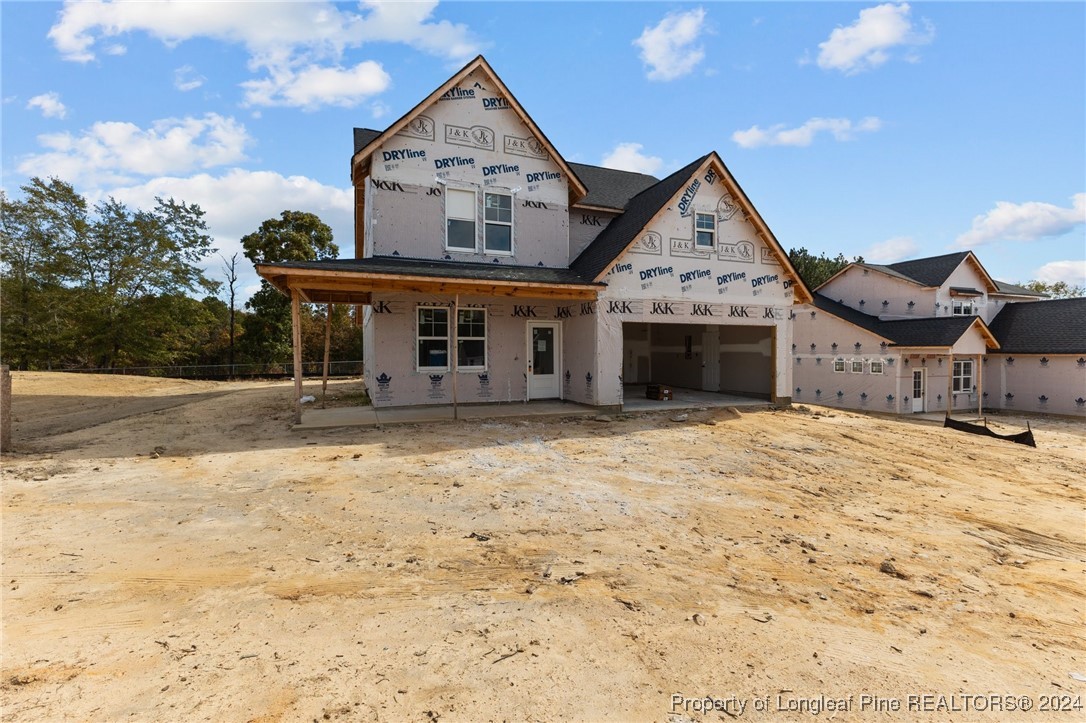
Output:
x=963 y=308
x=471 y=340
x=876 y=366
x=963 y=376
x=857 y=366
x=839 y=366
x=432 y=339
x=704 y=230
x=459 y=219
x=498 y=218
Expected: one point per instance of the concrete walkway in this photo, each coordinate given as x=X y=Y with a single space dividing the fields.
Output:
x=635 y=402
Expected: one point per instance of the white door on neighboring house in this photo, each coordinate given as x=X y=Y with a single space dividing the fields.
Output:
x=710 y=360
x=544 y=355
x=918 y=390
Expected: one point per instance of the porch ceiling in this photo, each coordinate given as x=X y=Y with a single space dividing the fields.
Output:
x=357 y=287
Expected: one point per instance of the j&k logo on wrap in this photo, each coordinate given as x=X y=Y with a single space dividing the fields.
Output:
x=421 y=127
x=686 y=247
x=436 y=390
x=473 y=137
x=588 y=382
x=527 y=147
x=484 y=385
x=726 y=207
x=384 y=383
x=743 y=252
x=650 y=243
x=768 y=257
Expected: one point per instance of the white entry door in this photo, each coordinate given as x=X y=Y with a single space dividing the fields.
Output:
x=544 y=355
x=918 y=390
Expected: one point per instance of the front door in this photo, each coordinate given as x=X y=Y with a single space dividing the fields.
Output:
x=544 y=339
x=918 y=390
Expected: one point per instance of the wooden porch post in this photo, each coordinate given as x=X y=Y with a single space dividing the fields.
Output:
x=327 y=350
x=296 y=342
x=950 y=381
x=980 y=386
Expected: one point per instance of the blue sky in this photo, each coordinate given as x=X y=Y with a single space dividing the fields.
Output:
x=889 y=130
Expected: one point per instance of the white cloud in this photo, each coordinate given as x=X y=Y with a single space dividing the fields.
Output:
x=1072 y=273
x=314 y=86
x=186 y=78
x=1024 y=222
x=842 y=129
x=237 y=201
x=628 y=157
x=891 y=250
x=297 y=46
x=116 y=152
x=867 y=43
x=49 y=104
x=668 y=49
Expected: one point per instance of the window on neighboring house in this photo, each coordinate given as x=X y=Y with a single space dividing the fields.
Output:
x=964 y=308
x=839 y=365
x=704 y=230
x=471 y=339
x=498 y=210
x=433 y=338
x=876 y=367
x=459 y=219
x=963 y=376
x=857 y=366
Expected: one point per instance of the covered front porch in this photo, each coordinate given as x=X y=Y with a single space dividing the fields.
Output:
x=461 y=287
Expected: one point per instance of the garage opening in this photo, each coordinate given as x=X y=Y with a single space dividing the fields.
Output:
x=734 y=360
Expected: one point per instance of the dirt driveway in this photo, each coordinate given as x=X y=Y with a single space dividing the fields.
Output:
x=171 y=551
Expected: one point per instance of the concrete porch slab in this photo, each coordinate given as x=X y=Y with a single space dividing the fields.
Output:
x=370 y=417
x=633 y=400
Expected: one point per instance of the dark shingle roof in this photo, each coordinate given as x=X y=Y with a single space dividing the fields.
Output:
x=936 y=331
x=443 y=269
x=1042 y=327
x=931 y=271
x=611 y=188
x=1005 y=288
x=852 y=316
x=614 y=239
x=941 y=331
x=363 y=137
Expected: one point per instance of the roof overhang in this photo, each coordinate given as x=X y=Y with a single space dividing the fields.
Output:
x=961 y=291
x=357 y=287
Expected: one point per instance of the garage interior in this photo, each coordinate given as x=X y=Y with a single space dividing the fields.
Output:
x=735 y=360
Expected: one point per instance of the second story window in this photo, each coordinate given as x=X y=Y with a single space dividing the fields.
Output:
x=498 y=235
x=964 y=308
x=460 y=219
x=704 y=230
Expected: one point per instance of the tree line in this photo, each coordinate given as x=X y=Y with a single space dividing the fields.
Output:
x=107 y=286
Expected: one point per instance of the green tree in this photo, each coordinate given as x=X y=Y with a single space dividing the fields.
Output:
x=127 y=260
x=294 y=236
x=817 y=270
x=36 y=234
x=1056 y=289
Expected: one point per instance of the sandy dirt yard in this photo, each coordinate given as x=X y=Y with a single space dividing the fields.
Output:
x=173 y=552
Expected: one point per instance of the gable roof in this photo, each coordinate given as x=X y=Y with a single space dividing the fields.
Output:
x=623 y=230
x=1057 y=326
x=936 y=331
x=361 y=155
x=644 y=207
x=931 y=271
